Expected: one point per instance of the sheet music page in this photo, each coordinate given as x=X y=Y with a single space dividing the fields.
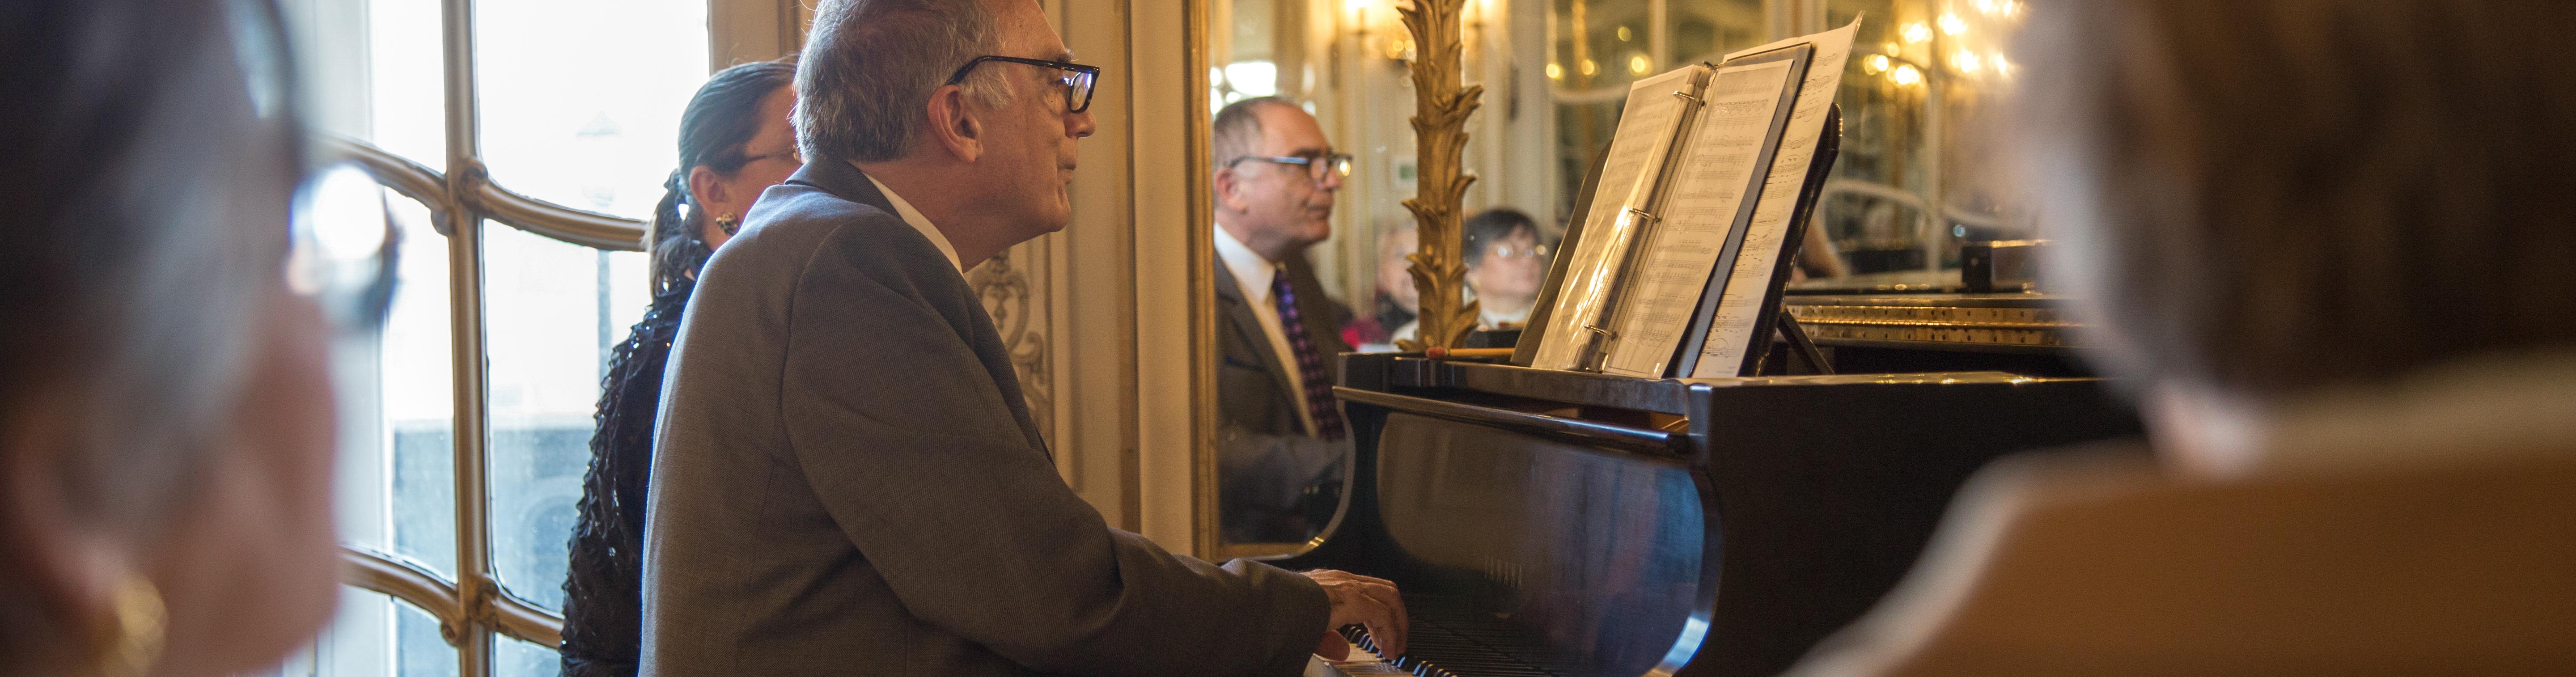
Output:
x=1730 y=333
x=1645 y=123
x=1713 y=174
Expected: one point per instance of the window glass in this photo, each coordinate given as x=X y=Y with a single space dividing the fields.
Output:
x=376 y=636
x=587 y=118
x=406 y=104
x=514 y=658
x=552 y=310
x=397 y=470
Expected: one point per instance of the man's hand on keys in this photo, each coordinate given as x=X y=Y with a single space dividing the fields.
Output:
x=1364 y=601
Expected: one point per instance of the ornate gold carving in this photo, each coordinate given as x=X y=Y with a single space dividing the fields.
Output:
x=1441 y=104
x=1935 y=324
x=1012 y=302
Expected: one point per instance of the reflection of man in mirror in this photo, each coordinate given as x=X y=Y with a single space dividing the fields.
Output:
x=1280 y=433
x=1506 y=265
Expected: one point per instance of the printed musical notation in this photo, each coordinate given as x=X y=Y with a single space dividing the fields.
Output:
x=1645 y=125
x=1730 y=335
x=1719 y=162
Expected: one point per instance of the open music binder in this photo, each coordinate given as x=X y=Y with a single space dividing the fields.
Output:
x=1675 y=262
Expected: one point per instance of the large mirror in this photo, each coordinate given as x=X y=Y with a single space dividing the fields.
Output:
x=1312 y=155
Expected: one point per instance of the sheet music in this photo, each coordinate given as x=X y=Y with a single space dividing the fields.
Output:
x=1714 y=172
x=1730 y=332
x=1644 y=124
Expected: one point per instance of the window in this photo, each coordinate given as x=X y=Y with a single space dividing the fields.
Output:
x=574 y=116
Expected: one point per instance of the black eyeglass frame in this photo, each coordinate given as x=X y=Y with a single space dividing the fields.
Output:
x=1084 y=81
x=1317 y=168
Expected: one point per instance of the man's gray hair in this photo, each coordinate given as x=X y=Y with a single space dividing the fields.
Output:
x=1237 y=129
x=863 y=87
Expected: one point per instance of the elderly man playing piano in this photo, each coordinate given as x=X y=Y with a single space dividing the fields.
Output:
x=848 y=481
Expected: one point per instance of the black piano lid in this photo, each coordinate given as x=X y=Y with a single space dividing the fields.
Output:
x=1540 y=526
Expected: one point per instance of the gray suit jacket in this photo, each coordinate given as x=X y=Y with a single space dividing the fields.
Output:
x=1265 y=459
x=847 y=482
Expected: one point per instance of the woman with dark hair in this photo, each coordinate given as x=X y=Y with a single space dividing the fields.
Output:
x=166 y=418
x=735 y=141
x=1506 y=264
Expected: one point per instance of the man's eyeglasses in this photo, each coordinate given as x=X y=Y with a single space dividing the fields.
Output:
x=1076 y=78
x=1317 y=167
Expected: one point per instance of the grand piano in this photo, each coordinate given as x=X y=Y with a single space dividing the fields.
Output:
x=1551 y=523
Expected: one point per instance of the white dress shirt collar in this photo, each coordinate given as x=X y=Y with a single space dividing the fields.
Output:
x=913 y=217
x=1251 y=272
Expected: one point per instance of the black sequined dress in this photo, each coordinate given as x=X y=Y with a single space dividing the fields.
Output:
x=603 y=601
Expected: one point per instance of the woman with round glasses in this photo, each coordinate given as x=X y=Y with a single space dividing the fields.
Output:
x=1506 y=265
x=166 y=413
x=735 y=141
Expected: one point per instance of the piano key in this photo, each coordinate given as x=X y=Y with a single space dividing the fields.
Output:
x=1362 y=663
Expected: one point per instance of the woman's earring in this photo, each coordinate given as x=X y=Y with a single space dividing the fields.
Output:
x=132 y=640
x=728 y=224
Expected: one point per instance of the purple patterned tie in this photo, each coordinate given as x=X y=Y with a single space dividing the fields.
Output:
x=1310 y=366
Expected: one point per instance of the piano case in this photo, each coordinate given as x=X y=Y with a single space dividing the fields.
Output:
x=1569 y=524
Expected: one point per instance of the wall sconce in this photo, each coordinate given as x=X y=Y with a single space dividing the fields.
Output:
x=1398 y=46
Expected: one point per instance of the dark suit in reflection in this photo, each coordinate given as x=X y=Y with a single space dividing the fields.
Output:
x=1278 y=481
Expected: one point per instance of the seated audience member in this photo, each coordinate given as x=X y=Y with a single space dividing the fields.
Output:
x=2332 y=247
x=847 y=479
x=1280 y=432
x=735 y=141
x=1398 y=305
x=1506 y=265
x=166 y=422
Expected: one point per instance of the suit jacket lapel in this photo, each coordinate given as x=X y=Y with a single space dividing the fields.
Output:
x=1239 y=312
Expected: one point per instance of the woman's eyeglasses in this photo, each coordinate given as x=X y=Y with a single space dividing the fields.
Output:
x=342 y=248
x=1536 y=251
x=1077 y=79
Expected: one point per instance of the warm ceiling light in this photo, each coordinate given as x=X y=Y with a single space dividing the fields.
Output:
x=1953 y=25
x=1967 y=61
x=1555 y=72
x=1916 y=32
x=1637 y=64
x=1905 y=75
x=1588 y=67
x=1875 y=64
x=1624 y=34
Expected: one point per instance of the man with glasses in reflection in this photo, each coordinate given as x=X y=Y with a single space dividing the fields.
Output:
x=847 y=480
x=1280 y=435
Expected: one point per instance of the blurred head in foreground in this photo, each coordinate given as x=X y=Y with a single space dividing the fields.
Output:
x=2273 y=206
x=165 y=416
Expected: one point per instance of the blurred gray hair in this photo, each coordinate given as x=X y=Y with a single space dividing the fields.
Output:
x=863 y=87
x=1237 y=129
